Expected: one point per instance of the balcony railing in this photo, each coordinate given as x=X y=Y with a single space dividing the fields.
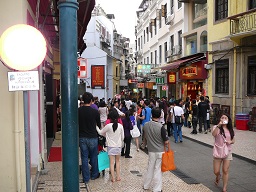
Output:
x=243 y=22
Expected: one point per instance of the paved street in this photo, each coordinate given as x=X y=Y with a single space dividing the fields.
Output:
x=194 y=171
x=195 y=160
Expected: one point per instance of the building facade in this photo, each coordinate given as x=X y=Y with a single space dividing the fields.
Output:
x=232 y=55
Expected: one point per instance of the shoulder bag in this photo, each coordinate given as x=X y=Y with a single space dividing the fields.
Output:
x=177 y=119
x=220 y=152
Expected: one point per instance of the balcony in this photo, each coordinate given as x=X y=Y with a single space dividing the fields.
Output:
x=242 y=25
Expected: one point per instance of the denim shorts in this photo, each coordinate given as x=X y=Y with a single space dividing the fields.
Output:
x=114 y=150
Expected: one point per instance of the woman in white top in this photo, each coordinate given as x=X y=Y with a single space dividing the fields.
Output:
x=161 y=118
x=103 y=110
x=114 y=133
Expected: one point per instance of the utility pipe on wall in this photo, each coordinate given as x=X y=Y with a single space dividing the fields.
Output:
x=241 y=80
x=234 y=87
x=17 y=132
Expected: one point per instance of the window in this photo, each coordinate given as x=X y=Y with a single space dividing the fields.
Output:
x=179 y=4
x=147 y=60
x=151 y=57
x=165 y=51
x=222 y=76
x=155 y=27
x=155 y=58
x=144 y=36
x=221 y=9
x=147 y=34
x=144 y=60
x=251 y=77
x=160 y=54
x=172 y=5
x=141 y=41
x=252 y=4
x=171 y=42
x=180 y=38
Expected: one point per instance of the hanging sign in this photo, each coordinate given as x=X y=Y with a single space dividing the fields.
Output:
x=97 y=75
x=171 y=78
x=23 y=81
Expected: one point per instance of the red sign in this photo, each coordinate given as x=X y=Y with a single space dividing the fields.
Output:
x=82 y=68
x=194 y=71
x=164 y=88
x=171 y=78
x=140 y=85
x=98 y=75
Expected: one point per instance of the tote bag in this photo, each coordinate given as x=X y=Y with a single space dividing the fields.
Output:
x=220 y=152
x=103 y=160
x=168 y=163
x=135 y=132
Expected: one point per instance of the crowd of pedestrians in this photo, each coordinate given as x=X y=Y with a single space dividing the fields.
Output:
x=158 y=119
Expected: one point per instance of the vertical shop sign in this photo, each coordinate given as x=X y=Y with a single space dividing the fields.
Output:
x=97 y=76
x=171 y=78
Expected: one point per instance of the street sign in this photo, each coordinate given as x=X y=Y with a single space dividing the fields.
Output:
x=160 y=80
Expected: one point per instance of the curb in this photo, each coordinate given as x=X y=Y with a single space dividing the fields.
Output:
x=210 y=146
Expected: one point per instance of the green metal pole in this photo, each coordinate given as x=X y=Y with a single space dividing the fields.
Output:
x=69 y=118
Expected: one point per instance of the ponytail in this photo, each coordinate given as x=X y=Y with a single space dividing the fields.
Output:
x=115 y=124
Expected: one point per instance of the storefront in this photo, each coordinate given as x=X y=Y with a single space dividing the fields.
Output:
x=187 y=76
x=193 y=77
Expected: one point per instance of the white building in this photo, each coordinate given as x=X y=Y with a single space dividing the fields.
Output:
x=158 y=33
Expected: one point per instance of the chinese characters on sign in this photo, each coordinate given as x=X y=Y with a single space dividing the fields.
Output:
x=171 y=78
x=144 y=69
x=98 y=74
x=189 y=71
x=23 y=81
x=140 y=85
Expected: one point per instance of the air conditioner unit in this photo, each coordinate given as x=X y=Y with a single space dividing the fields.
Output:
x=176 y=50
x=169 y=53
x=169 y=20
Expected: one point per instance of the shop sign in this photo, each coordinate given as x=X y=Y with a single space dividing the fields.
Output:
x=97 y=76
x=82 y=68
x=154 y=87
x=171 y=78
x=144 y=69
x=132 y=81
x=140 y=85
x=23 y=81
x=189 y=71
x=164 y=88
x=160 y=80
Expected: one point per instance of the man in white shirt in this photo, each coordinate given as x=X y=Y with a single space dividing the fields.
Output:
x=177 y=111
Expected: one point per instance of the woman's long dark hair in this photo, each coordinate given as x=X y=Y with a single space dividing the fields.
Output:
x=113 y=116
x=229 y=126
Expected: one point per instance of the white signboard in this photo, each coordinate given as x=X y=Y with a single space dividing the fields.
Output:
x=23 y=81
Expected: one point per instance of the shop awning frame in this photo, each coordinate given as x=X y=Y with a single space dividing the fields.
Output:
x=176 y=64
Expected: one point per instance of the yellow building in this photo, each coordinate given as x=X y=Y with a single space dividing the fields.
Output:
x=232 y=57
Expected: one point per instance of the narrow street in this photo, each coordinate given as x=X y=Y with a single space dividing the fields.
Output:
x=194 y=164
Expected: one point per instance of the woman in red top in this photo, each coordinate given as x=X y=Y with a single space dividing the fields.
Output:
x=223 y=132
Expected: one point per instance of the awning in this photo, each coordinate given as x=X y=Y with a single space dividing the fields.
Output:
x=176 y=64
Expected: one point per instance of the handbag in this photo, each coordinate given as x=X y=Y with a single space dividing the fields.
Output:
x=135 y=132
x=103 y=160
x=177 y=119
x=220 y=152
x=168 y=163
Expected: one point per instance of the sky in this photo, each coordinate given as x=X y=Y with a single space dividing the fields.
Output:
x=125 y=15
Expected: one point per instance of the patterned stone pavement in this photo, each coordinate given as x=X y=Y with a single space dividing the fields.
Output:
x=132 y=170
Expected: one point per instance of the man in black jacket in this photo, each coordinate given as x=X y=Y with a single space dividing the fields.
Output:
x=202 y=114
x=88 y=118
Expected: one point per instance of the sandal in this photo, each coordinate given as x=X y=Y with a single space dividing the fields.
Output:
x=118 y=179
x=217 y=180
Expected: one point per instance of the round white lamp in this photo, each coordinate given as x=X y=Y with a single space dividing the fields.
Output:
x=22 y=47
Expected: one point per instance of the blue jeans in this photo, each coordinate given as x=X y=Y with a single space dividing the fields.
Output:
x=177 y=131
x=89 y=148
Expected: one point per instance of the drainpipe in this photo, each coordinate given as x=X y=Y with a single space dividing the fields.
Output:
x=241 y=80
x=69 y=116
x=17 y=132
x=234 y=86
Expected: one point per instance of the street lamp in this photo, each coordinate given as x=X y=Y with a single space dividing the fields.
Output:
x=23 y=48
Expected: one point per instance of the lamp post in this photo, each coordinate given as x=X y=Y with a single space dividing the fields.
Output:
x=23 y=48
